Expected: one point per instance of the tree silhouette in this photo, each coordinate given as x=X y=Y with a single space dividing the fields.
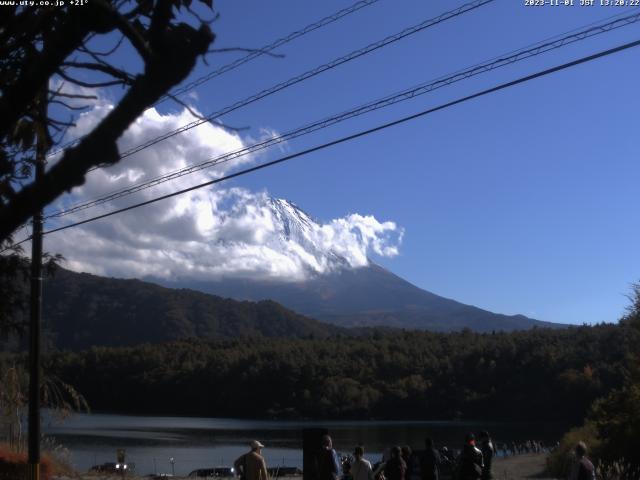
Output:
x=42 y=48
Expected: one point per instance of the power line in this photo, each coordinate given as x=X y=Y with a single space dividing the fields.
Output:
x=407 y=94
x=311 y=73
x=390 y=100
x=362 y=133
x=272 y=46
x=251 y=56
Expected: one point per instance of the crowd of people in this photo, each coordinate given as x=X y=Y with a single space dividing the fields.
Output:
x=528 y=446
x=473 y=462
x=398 y=463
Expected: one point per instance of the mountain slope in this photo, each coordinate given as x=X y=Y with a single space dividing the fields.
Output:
x=82 y=310
x=367 y=296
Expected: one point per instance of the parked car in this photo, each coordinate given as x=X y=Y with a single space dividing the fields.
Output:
x=283 y=471
x=213 y=472
x=113 y=467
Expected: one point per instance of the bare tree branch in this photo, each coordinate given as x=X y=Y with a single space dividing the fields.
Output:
x=72 y=95
x=102 y=67
x=108 y=53
x=66 y=105
x=201 y=117
x=81 y=83
x=127 y=29
x=61 y=134
x=57 y=91
x=60 y=122
x=175 y=50
x=187 y=106
x=200 y=18
x=249 y=50
x=60 y=44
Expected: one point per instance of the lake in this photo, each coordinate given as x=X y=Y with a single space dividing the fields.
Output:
x=150 y=442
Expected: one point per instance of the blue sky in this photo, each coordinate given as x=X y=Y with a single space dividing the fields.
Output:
x=523 y=201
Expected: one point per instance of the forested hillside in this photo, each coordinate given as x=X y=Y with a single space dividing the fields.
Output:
x=82 y=310
x=545 y=374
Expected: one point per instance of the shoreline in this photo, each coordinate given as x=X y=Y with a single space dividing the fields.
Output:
x=328 y=420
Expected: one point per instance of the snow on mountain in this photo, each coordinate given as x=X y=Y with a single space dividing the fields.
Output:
x=299 y=228
x=277 y=237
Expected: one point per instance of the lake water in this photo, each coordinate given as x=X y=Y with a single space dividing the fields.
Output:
x=150 y=442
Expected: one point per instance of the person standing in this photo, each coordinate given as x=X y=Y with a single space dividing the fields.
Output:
x=361 y=467
x=488 y=452
x=395 y=468
x=582 y=468
x=470 y=464
x=430 y=461
x=251 y=465
x=411 y=460
x=327 y=461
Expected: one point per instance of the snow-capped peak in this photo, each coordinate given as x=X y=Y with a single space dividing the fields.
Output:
x=341 y=243
x=296 y=223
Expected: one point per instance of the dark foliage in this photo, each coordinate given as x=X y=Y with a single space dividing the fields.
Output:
x=617 y=415
x=612 y=427
x=539 y=374
x=14 y=277
x=82 y=310
x=14 y=465
x=15 y=271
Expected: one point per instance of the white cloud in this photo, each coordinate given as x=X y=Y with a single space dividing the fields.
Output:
x=207 y=233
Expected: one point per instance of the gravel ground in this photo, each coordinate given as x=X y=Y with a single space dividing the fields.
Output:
x=527 y=466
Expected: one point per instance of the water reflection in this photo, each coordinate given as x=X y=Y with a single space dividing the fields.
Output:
x=208 y=442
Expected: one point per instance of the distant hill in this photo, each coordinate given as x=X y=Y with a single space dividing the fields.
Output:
x=368 y=296
x=81 y=310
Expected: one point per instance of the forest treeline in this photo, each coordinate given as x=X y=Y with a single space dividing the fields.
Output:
x=612 y=424
x=548 y=374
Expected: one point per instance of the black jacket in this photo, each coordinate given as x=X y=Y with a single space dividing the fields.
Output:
x=430 y=464
x=488 y=451
x=470 y=464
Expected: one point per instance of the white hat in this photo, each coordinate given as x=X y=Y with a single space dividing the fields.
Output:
x=256 y=444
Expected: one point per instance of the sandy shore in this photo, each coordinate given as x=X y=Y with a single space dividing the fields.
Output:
x=519 y=467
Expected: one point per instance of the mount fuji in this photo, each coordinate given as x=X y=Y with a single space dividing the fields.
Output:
x=345 y=289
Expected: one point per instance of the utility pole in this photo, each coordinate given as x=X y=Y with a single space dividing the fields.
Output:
x=35 y=308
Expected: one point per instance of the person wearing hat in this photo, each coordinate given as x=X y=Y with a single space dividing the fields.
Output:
x=470 y=463
x=251 y=465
